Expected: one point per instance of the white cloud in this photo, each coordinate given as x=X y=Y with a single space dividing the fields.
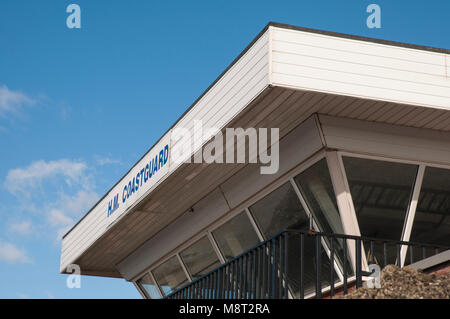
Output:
x=22 y=228
x=12 y=101
x=78 y=204
x=22 y=179
x=57 y=218
x=12 y=254
x=107 y=161
x=56 y=193
x=68 y=206
x=62 y=231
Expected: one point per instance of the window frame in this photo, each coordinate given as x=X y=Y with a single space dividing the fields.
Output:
x=412 y=205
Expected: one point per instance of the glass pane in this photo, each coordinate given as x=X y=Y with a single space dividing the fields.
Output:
x=309 y=264
x=317 y=190
x=381 y=193
x=148 y=285
x=200 y=258
x=279 y=210
x=432 y=218
x=236 y=236
x=169 y=275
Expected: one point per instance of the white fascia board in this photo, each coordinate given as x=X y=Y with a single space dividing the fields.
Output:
x=364 y=69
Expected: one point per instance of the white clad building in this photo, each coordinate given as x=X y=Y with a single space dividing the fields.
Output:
x=364 y=151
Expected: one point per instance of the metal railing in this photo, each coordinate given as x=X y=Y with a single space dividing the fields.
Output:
x=299 y=264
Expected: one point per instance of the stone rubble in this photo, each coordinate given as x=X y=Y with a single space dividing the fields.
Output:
x=405 y=283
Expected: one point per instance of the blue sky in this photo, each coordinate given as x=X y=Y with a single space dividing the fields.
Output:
x=78 y=107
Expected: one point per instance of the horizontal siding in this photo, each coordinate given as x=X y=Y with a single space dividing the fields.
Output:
x=244 y=81
x=223 y=102
x=342 y=66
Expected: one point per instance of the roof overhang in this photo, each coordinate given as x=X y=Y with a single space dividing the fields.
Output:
x=283 y=77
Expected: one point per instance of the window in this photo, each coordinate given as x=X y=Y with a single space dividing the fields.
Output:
x=169 y=275
x=235 y=236
x=279 y=210
x=432 y=218
x=147 y=284
x=200 y=258
x=381 y=193
x=317 y=189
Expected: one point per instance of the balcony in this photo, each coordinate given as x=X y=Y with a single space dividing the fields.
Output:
x=298 y=265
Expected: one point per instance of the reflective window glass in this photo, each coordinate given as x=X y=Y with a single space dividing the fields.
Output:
x=169 y=275
x=148 y=285
x=432 y=218
x=200 y=258
x=235 y=236
x=317 y=189
x=279 y=210
x=381 y=193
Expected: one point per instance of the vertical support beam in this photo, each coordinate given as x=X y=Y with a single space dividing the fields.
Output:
x=406 y=234
x=344 y=202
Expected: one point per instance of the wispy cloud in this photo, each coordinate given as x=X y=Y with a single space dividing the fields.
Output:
x=24 y=179
x=60 y=191
x=12 y=254
x=12 y=101
x=22 y=228
x=69 y=207
x=106 y=161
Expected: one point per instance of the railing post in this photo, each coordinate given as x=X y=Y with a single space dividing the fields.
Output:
x=286 y=295
x=317 y=253
x=331 y=266
x=358 y=263
x=280 y=265
x=302 y=265
x=385 y=254
x=344 y=266
x=273 y=254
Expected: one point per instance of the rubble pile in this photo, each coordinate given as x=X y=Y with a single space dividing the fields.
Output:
x=405 y=283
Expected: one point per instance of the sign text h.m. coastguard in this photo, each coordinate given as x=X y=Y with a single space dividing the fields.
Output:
x=142 y=177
